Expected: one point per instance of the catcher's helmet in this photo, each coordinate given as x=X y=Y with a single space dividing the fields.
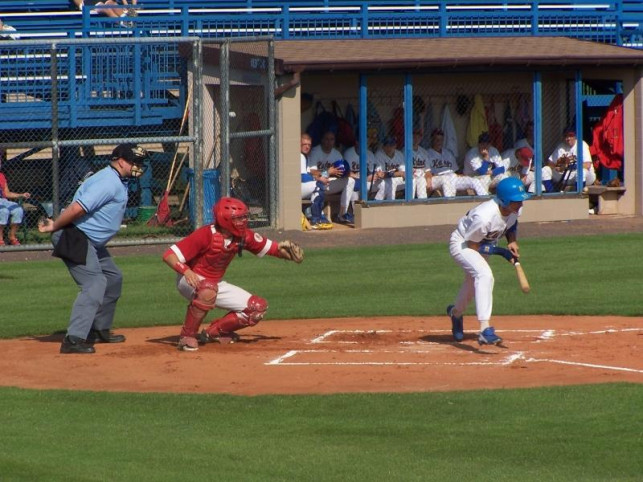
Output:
x=511 y=189
x=232 y=215
x=343 y=166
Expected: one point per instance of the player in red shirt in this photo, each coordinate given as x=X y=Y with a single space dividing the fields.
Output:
x=201 y=259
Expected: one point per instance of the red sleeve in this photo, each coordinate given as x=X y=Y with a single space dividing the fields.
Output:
x=257 y=244
x=194 y=244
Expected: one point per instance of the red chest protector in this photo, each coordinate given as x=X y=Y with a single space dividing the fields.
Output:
x=216 y=259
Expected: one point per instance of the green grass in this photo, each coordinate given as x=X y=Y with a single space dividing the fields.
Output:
x=559 y=433
x=534 y=434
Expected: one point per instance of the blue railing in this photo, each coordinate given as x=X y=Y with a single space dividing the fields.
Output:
x=614 y=22
x=618 y=22
x=98 y=84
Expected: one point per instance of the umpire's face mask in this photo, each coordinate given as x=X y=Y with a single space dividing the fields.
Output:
x=137 y=170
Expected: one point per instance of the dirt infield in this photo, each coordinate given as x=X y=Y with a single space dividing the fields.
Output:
x=405 y=354
x=402 y=354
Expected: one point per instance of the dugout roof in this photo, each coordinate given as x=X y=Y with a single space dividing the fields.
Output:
x=450 y=53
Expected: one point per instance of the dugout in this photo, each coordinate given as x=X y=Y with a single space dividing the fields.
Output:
x=552 y=80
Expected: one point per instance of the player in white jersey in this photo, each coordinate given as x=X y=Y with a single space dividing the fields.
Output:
x=395 y=168
x=441 y=170
x=321 y=161
x=563 y=161
x=483 y=162
x=474 y=239
x=374 y=171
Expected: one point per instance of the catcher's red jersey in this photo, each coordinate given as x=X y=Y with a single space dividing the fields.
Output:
x=208 y=253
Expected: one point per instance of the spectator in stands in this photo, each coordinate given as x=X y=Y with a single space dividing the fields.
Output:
x=118 y=9
x=563 y=161
x=312 y=189
x=7 y=32
x=483 y=162
x=321 y=165
x=441 y=170
x=10 y=211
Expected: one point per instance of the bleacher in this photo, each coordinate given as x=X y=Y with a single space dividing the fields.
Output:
x=94 y=91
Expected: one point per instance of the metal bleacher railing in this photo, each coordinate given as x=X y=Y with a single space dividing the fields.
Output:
x=25 y=72
x=618 y=22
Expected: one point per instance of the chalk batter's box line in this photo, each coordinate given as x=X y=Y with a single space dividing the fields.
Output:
x=546 y=335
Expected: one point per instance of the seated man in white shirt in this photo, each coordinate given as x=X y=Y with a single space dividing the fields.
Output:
x=394 y=167
x=483 y=163
x=441 y=170
x=321 y=165
x=563 y=162
x=375 y=173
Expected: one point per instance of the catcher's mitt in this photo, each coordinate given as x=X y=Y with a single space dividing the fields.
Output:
x=291 y=251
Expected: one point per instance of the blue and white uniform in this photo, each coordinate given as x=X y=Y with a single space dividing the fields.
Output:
x=484 y=224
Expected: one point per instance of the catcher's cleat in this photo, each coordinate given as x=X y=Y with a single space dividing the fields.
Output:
x=221 y=338
x=457 y=325
x=488 y=337
x=73 y=344
x=188 y=343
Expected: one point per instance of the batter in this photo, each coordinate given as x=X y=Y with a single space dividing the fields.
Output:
x=474 y=239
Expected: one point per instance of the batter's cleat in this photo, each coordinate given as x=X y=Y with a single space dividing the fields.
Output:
x=188 y=343
x=488 y=337
x=221 y=338
x=457 y=325
x=74 y=344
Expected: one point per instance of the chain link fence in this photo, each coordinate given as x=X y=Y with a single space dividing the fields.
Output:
x=460 y=134
x=67 y=104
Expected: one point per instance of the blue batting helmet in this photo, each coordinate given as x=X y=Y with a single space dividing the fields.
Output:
x=511 y=189
x=343 y=166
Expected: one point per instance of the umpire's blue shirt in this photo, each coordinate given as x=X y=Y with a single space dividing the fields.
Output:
x=104 y=197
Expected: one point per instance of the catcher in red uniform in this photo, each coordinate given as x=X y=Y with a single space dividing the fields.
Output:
x=201 y=260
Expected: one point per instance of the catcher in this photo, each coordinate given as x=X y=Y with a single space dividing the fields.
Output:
x=201 y=259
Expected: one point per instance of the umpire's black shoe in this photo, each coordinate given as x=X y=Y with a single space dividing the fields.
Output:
x=104 y=336
x=73 y=344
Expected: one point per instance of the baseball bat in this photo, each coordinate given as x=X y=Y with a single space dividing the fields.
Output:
x=522 y=278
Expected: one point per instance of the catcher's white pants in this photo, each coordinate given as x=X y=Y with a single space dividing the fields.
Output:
x=229 y=296
x=478 y=278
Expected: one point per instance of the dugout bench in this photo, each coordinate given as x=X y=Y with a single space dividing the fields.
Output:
x=605 y=198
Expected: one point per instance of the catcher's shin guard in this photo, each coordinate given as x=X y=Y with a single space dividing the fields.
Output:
x=233 y=321
x=193 y=318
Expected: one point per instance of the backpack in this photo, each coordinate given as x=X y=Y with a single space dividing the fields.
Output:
x=345 y=134
x=396 y=127
x=323 y=121
x=374 y=121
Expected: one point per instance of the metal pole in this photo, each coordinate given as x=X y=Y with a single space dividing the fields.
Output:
x=224 y=109
x=272 y=140
x=55 y=151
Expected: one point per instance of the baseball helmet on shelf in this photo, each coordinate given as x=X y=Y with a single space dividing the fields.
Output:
x=511 y=189
x=343 y=166
x=232 y=215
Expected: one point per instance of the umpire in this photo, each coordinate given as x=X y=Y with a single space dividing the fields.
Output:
x=80 y=235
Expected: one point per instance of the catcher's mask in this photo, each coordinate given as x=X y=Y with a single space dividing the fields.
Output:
x=511 y=189
x=232 y=215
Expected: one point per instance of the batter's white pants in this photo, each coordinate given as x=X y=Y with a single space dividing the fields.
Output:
x=478 y=278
